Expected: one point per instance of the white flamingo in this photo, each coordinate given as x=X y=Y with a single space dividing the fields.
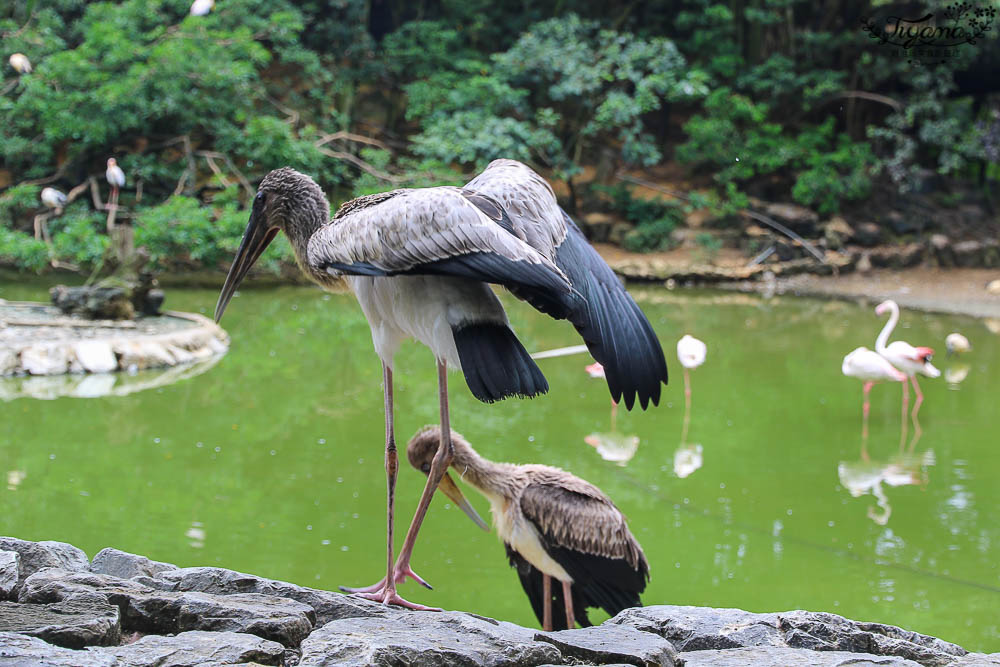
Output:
x=869 y=367
x=956 y=343
x=691 y=353
x=908 y=359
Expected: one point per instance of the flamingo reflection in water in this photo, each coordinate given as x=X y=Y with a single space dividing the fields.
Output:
x=867 y=476
x=611 y=445
x=691 y=352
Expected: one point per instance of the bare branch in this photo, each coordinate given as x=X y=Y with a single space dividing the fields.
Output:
x=293 y=115
x=356 y=138
x=874 y=97
x=232 y=166
x=362 y=165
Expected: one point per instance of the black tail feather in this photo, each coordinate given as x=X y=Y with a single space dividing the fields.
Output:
x=495 y=364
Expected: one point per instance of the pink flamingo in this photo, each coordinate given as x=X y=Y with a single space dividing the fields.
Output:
x=908 y=359
x=596 y=370
x=869 y=367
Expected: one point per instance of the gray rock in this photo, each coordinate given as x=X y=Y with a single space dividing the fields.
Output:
x=23 y=651
x=125 y=565
x=425 y=639
x=977 y=660
x=278 y=619
x=798 y=218
x=608 y=643
x=867 y=234
x=782 y=657
x=10 y=566
x=148 y=610
x=699 y=628
x=194 y=649
x=329 y=606
x=968 y=254
x=38 y=555
x=73 y=624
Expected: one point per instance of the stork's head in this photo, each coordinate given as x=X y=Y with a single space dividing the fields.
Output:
x=112 y=162
x=286 y=201
x=421 y=450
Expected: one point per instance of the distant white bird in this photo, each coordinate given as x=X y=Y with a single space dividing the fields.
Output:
x=20 y=63
x=116 y=178
x=687 y=459
x=201 y=7
x=53 y=198
x=911 y=360
x=691 y=353
x=869 y=367
x=956 y=343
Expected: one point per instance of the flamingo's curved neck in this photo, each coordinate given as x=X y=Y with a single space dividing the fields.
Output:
x=883 y=337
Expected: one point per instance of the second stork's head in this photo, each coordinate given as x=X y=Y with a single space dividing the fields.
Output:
x=421 y=450
x=286 y=201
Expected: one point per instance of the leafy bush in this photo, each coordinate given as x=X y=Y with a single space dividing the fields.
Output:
x=654 y=219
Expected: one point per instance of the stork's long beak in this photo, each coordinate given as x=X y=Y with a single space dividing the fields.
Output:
x=451 y=490
x=256 y=238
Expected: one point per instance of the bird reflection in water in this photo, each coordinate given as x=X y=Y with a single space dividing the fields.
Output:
x=955 y=374
x=687 y=459
x=867 y=476
x=612 y=445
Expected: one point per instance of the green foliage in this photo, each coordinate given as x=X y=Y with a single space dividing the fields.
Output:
x=735 y=141
x=708 y=246
x=654 y=219
x=77 y=236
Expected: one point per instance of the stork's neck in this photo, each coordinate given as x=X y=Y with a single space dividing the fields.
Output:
x=489 y=478
x=300 y=224
x=883 y=336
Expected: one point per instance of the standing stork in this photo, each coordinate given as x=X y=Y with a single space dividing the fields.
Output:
x=554 y=525
x=908 y=359
x=116 y=179
x=20 y=63
x=201 y=7
x=419 y=260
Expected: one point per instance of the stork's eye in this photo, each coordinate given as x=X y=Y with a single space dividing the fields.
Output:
x=261 y=196
x=426 y=467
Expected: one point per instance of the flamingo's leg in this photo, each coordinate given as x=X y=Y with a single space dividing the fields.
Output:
x=687 y=406
x=865 y=409
x=906 y=404
x=920 y=395
x=568 y=599
x=547 y=607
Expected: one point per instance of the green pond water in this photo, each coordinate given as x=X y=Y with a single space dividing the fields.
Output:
x=271 y=462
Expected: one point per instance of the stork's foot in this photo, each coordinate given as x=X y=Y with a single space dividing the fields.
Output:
x=403 y=570
x=389 y=596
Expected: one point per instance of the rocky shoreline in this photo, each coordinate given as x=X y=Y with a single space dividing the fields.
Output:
x=59 y=608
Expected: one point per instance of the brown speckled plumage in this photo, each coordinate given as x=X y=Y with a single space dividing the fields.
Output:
x=571 y=512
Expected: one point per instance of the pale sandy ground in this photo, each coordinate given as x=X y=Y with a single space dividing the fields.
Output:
x=956 y=291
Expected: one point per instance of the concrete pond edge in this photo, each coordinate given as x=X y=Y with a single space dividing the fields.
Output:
x=60 y=608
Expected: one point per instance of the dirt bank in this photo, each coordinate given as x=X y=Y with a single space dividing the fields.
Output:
x=954 y=291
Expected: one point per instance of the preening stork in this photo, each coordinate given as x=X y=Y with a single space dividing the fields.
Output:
x=554 y=525
x=20 y=63
x=906 y=358
x=419 y=260
x=53 y=198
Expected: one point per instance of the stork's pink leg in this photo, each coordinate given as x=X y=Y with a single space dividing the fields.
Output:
x=547 y=607
x=439 y=466
x=385 y=590
x=614 y=414
x=568 y=599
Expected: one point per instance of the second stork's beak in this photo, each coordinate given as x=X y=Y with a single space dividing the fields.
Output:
x=256 y=238
x=452 y=491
